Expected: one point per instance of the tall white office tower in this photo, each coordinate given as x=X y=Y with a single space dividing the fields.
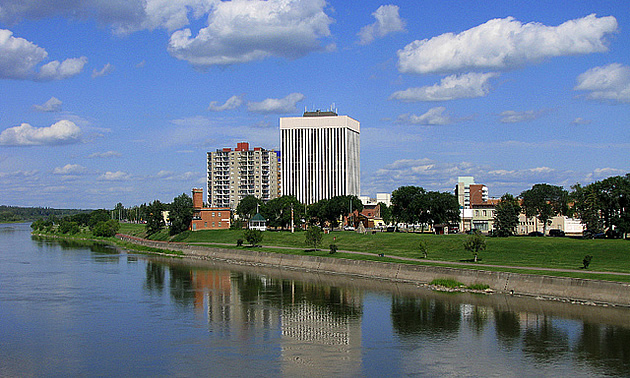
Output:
x=320 y=156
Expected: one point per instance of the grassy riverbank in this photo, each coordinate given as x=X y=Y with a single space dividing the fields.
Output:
x=513 y=252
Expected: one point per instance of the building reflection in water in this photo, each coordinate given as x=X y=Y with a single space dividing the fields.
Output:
x=317 y=324
x=316 y=328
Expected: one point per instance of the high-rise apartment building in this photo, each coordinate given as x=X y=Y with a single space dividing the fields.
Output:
x=320 y=156
x=468 y=193
x=235 y=174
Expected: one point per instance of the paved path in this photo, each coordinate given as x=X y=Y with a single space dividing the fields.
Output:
x=458 y=263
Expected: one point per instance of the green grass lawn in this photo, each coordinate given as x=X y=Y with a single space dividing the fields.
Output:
x=540 y=252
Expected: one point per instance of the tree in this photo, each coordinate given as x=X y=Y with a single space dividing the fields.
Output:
x=248 y=206
x=386 y=213
x=506 y=215
x=98 y=216
x=474 y=243
x=406 y=201
x=587 y=206
x=181 y=214
x=443 y=208
x=155 y=220
x=544 y=201
x=253 y=237
x=107 y=228
x=313 y=237
x=67 y=226
x=278 y=211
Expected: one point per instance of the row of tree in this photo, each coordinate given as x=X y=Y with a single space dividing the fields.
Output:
x=99 y=222
x=415 y=205
x=602 y=206
x=280 y=212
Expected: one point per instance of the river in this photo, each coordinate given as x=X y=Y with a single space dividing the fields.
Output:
x=83 y=309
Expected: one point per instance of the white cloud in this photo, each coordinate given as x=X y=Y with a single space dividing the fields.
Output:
x=51 y=106
x=504 y=44
x=19 y=58
x=106 y=70
x=231 y=103
x=62 y=132
x=387 y=21
x=70 y=169
x=452 y=87
x=610 y=82
x=19 y=174
x=243 y=31
x=435 y=116
x=581 y=121
x=115 y=176
x=275 y=105
x=512 y=116
x=56 y=70
x=172 y=176
x=440 y=175
x=105 y=155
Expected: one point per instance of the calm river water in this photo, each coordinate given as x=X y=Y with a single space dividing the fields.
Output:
x=90 y=310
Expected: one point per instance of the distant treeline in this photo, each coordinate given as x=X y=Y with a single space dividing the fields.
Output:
x=29 y=214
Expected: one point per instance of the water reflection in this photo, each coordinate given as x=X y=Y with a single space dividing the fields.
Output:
x=154 y=277
x=605 y=347
x=255 y=320
x=544 y=341
x=430 y=317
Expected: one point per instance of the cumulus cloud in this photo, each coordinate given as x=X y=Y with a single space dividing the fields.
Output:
x=19 y=58
x=504 y=44
x=51 y=106
x=243 y=31
x=62 y=132
x=231 y=103
x=56 y=70
x=115 y=176
x=387 y=21
x=276 y=105
x=435 y=116
x=70 y=170
x=452 y=87
x=609 y=83
x=512 y=116
x=105 y=155
x=106 y=70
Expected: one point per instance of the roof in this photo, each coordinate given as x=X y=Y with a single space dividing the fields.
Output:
x=258 y=218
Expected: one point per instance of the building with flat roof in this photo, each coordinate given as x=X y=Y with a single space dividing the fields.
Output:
x=236 y=173
x=320 y=156
x=208 y=218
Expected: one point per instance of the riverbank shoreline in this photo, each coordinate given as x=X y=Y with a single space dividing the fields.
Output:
x=573 y=290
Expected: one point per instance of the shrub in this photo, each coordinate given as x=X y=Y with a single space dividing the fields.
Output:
x=587 y=261
x=447 y=282
x=424 y=248
x=106 y=228
x=67 y=227
x=239 y=242
x=479 y=286
x=253 y=237
x=313 y=236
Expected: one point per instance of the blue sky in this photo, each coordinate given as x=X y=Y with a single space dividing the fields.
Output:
x=119 y=101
